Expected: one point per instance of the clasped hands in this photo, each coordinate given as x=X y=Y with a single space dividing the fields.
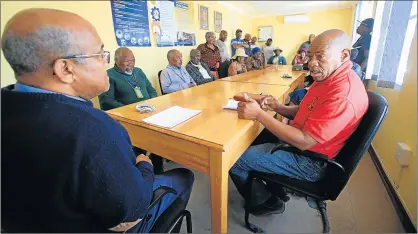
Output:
x=250 y=106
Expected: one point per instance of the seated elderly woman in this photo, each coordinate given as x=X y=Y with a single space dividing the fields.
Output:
x=257 y=60
x=238 y=65
x=277 y=58
x=199 y=71
x=301 y=57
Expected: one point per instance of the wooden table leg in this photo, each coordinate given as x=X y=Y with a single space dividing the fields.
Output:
x=218 y=173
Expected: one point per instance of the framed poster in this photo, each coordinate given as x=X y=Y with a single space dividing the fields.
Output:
x=218 y=21
x=204 y=17
x=265 y=32
x=130 y=22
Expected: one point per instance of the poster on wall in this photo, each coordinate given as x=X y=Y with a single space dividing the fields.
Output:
x=172 y=23
x=218 y=21
x=130 y=23
x=204 y=17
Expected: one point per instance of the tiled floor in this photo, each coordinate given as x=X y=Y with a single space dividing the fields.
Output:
x=364 y=207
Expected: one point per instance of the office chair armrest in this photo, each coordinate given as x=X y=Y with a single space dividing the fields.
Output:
x=308 y=154
x=158 y=194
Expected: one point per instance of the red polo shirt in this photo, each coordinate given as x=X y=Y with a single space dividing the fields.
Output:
x=332 y=110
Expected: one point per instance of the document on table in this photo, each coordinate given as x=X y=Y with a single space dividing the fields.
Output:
x=171 y=117
x=232 y=104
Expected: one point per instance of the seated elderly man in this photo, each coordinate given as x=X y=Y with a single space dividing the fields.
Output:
x=210 y=53
x=257 y=60
x=322 y=123
x=128 y=84
x=67 y=166
x=199 y=71
x=175 y=77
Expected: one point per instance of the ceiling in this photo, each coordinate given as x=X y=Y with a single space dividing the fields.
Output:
x=274 y=8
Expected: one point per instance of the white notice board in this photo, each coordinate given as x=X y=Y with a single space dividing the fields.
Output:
x=265 y=32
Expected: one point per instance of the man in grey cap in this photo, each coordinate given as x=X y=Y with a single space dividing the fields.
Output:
x=363 y=43
x=237 y=42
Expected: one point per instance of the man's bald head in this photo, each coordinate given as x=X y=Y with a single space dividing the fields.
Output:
x=35 y=41
x=33 y=38
x=175 y=58
x=328 y=52
x=125 y=60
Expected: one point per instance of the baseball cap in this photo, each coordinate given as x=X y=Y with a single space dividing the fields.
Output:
x=238 y=31
x=369 y=22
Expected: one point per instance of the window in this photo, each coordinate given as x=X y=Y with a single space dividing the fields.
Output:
x=393 y=32
x=410 y=31
x=364 y=10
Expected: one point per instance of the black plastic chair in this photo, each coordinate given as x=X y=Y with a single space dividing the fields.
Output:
x=156 y=199
x=159 y=81
x=338 y=170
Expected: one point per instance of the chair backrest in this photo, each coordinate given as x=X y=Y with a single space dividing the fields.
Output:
x=358 y=143
x=159 y=81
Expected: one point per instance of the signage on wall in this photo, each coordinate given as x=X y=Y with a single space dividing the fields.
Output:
x=130 y=23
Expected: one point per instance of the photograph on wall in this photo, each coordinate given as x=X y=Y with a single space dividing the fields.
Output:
x=130 y=23
x=218 y=21
x=204 y=17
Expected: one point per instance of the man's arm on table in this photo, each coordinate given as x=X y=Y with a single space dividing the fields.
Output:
x=286 y=111
x=251 y=109
x=287 y=133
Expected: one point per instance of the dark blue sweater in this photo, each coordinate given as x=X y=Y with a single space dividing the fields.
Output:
x=67 y=167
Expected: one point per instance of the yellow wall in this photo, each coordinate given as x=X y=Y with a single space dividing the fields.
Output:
x=151 y=59
x=401 y=126
x=290 y=36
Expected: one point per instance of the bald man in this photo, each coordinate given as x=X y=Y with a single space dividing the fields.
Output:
x=324 y=120
x=128 y=84
x=67 y=166
x=175 y=77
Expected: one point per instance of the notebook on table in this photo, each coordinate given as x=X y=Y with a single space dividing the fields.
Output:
x=171 y=117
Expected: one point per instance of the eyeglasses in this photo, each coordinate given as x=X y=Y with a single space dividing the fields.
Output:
x=105 y=55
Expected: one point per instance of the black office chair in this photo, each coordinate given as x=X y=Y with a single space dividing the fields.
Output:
x=156 y=199
x=338 y=170
x=176 y=224
x=159 y=81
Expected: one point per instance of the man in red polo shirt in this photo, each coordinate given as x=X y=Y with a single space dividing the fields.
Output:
x=324 y=120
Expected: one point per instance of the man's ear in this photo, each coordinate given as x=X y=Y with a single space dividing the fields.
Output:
x=64 y=71
x=345 y=55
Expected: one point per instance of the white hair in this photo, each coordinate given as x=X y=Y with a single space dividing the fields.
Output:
x=27 y=53
x=209 y=34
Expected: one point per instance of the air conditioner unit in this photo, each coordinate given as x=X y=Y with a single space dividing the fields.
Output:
x=292 y=19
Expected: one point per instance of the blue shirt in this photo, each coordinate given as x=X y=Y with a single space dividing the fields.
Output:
x=174 y=79
x=236 y=41
x=19 y=87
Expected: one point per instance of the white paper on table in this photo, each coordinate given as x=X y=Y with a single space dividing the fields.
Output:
x=232 y=104
x=171 y=117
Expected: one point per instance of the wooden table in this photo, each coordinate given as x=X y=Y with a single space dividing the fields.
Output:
x=211 y=142
x=272 y=75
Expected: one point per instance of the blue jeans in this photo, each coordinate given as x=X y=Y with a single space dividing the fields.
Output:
x=170 y=206
x=259 y=158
